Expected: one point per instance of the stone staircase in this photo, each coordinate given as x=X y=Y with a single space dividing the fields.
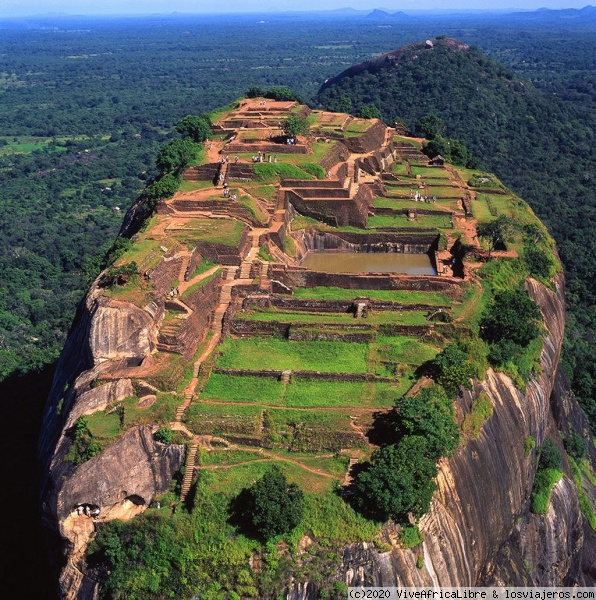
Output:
x=185 y=267
x=166 y=340
x=190 y=467
x=245 y=269
x=351 y=178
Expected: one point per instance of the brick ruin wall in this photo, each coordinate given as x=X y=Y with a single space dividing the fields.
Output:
x=292 y=277
x=207 y=172
x=370 y=140
x=322 y=193
x=338 y=153
x=306 y=375
x=373 y=242
x=418 y=211
x=334 y=212
x=164 y=273
x=319 y=184
x=267 y=147
x=331 y=306
x=203 y=302
x=347 y=332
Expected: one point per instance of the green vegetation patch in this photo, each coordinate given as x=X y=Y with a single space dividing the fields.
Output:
x=543 y=485
x=253 y=207
x=401 y=220
x=202 y=283
x=316 y=393
x=480 y=411
x=270 y=353
x=586 y=506
x=237 y=388
x=404 y=349
x=401 y=296
x=271 y=172
x=227 y=232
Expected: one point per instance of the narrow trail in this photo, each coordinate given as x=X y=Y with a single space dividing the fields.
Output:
x=184 y=285
x=267 y=457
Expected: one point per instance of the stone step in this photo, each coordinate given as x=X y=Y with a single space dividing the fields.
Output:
x=188 y=475
x=168 y=348
x=245 y=270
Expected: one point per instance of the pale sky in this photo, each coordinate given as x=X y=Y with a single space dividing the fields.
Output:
x=10 y=8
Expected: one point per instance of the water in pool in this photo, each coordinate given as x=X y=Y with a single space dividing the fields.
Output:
x=369 y=262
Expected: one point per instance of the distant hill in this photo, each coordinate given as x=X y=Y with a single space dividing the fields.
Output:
x=566 y=15
x=386 y=15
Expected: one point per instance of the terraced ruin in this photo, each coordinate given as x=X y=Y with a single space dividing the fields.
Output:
x=261 y=359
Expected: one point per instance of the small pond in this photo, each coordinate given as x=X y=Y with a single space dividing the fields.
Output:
x=369 y=262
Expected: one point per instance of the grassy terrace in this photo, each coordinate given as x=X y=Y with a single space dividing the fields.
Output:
x=300 y=394
x=431 y=172
x=214 y=231
x=401 y=220
x=374 y=318
x=406 y=203
x=270 y=353
x=401 y=296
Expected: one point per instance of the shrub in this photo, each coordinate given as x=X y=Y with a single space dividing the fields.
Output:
x=539 y=262
x=543 y=485
x=410 y=536
x=452 y=370
x=529 y=444
x=397 y=481
x=269 y=507
x=165 y=187
x=429 y=414
x=197 y=128
x=575 y=445
x=550 y=457
x=164 y=435
x=84 y=446
x=509 y=324
x=118 y=275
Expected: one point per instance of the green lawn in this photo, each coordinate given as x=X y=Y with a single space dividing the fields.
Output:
x=422 y=221
x=216 y=231
x=401 y=296
x=404 y=349
x=303 y=393
x=281 y=415
x=432 y=172
x=234 y=388
x=376 y=317
x=271 y=353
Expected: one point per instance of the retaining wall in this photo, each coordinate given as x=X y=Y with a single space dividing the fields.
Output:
x=299 y=277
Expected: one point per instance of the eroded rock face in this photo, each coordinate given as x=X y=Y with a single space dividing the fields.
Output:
x=132 y=471
x=122 y=480
x=121 y=330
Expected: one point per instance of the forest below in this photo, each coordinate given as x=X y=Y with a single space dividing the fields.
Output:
x=86 y=103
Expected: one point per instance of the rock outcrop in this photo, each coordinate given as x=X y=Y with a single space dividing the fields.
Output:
x=123 y=479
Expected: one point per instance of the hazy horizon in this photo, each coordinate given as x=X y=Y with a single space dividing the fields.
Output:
x=24 y=8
